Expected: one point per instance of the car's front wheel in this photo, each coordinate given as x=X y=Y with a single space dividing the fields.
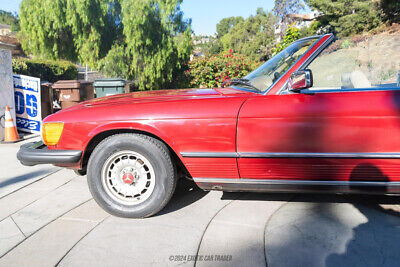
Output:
x=131 y=175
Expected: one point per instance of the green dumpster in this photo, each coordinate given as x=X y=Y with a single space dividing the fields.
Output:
x=106 y=87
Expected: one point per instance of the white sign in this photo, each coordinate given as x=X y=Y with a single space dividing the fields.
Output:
x=27 y=103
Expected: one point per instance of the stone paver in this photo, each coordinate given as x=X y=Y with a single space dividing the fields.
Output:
x=237 y=232
x=14 y=175
x=315 y=232
x=150 y=242
x=52 y=242
x=10 y=235
x=26 y=195
x=51 y=206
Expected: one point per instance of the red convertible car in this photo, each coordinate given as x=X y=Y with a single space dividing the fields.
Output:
x=312 y=118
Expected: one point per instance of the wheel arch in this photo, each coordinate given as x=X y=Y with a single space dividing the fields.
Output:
x=100 y=134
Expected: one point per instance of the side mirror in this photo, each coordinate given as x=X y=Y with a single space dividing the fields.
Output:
x=301 y=79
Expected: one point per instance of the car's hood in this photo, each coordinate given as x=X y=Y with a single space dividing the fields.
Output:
x=156 y=104
x=152 y=96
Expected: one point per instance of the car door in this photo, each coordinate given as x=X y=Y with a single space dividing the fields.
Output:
x=324 y=136
x=346 y=127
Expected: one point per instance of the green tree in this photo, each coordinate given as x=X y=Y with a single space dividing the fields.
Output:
x=226 y=24
x=212 y=45
x=44 y=31
x=253 y=37
x=346 y=17
x=143 y=39
x=68 y=29
x=9 y=19
x=116 y=63
x=283 y=8
x=215 y=48
x=391 y=10
x=89 y=24
x=310 y=30
x=292 y=34
x=158 y=40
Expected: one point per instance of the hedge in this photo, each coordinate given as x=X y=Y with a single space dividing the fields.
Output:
x=46 y=70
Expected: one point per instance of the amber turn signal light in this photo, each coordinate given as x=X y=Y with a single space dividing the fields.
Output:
x=52 y=132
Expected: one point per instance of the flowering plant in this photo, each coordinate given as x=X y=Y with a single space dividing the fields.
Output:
x=207 y=72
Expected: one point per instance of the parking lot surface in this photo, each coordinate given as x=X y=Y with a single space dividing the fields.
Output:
x=47 y=218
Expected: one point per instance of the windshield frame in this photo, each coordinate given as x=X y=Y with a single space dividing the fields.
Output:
x=306 y=61
x=329 y=37
x=317 y=38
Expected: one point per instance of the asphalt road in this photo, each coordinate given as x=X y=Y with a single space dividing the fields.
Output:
x=47 y=218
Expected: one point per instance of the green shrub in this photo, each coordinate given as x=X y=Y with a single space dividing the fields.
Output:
x=46 y=70
x=391 y=10
x=213 y=71
x=311 y=30
x=347 y=44
x=291 y=35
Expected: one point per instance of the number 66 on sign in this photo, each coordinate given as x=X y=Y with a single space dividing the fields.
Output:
x=27 y=103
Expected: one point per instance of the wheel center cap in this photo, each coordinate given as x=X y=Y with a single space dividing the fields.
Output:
x=128 y=178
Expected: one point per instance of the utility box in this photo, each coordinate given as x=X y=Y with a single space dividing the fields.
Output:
x=71 y=92
x=106 y=87
x=46 y=97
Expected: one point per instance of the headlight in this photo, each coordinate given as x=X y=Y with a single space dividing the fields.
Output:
x=52 y=132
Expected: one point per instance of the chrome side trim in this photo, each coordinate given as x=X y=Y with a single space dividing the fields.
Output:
x=387 y=155
x=209 y=154
x=293 y=182
x=391 y=155
x=350 y=90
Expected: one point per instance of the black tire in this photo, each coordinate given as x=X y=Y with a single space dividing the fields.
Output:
x=159 y=157
x=80 y=172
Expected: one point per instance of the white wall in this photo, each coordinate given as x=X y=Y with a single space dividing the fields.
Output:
x=6 y=87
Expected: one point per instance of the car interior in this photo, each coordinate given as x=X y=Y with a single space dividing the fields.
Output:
x=362 y=64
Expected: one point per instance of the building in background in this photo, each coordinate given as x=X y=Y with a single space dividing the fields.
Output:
x=303 y=20
x=299 y=21
x=5 y=29
x=87 y=74
x=203 y=39
x=12 y=41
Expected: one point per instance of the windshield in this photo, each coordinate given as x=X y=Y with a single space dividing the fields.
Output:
x=265 y=75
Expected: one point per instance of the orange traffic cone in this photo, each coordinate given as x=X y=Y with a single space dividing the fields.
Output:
x=11 y=134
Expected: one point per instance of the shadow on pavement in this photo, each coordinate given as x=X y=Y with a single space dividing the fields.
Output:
x=315 y=197
x=374 y=242
x=334 y=230
x=23 y=177
x=257 y=196
x=186 y=193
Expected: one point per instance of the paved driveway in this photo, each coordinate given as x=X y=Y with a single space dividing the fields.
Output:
x=48 y=218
